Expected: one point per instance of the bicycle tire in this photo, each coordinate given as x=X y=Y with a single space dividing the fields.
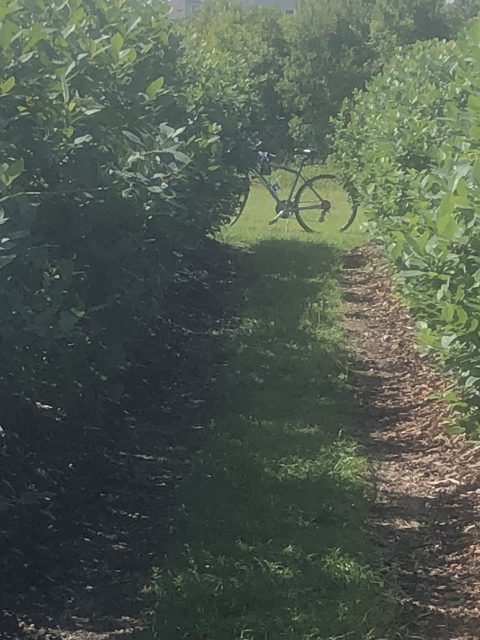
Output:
x=241 y=203
x=312 y=209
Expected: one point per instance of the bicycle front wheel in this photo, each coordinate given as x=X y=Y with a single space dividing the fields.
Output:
x=321 y=203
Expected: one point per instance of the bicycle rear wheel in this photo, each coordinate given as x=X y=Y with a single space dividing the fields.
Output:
x=321 y=200
x=241 y=201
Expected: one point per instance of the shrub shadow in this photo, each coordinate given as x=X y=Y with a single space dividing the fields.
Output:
x=273 y=542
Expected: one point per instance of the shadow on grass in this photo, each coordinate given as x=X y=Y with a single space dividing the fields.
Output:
x=271 y=541
x=74 y=562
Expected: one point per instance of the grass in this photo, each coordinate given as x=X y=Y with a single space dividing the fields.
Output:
x=271 y=542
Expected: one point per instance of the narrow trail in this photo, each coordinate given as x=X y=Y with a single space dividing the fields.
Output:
x=272 y=542
x=258 y=521
x=427 y=515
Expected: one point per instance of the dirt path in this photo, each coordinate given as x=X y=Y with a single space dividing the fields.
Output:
x=427 y=515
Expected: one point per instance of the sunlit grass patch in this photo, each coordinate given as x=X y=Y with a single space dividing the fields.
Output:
x=338 y=459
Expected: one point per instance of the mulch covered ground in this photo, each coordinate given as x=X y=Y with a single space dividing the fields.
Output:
x=427 y=515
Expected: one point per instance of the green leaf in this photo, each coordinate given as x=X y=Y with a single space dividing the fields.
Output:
x=68 y=31
x=155 y=86
x=450 y=396
x=117 y=42
x=448 y=311
x=13 y=171
x=6 y=259
x=82 y=139
x=456 y=430
x=447 y=340
x=65 y=89
x=132 y=137
x=16 y=168
x=77 y=16
x=462 y=316
x=474 y=33
x=442 y=291
x=474 y=102
x=78 y=313
x=432 y=244
x=447 y=227
x=128 y=55
x=447 y=205
x=8 y=31
x=476 y=171
x=473 y=326
x=446 y=224
x=471 y=381
x=180 y=157
x=8 y=85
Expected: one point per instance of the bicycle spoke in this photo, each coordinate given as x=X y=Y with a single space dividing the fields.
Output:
x=322 y=201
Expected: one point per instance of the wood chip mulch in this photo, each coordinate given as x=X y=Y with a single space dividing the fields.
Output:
x=427 y=513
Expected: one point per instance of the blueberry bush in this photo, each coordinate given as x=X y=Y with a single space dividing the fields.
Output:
x=409 y=145
x=122 y=146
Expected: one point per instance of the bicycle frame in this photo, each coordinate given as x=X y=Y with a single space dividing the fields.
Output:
x=295 y=172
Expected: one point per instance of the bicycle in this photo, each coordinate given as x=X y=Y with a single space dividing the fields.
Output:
x=304 y=201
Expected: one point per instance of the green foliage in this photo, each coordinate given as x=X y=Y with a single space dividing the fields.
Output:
x=406 y=21
x=410 y=146
x=330 y=48
x=302 y=66
x=121 y=145
x=256 y=36
x=335 y=47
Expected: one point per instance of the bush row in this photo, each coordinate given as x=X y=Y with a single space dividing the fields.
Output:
x=410 y=146
x=121 y=146
x=302 y=66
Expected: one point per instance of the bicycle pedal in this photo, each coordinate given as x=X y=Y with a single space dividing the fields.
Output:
x=280 y=214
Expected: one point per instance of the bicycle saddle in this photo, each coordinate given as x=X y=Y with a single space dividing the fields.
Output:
x=307 y=153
